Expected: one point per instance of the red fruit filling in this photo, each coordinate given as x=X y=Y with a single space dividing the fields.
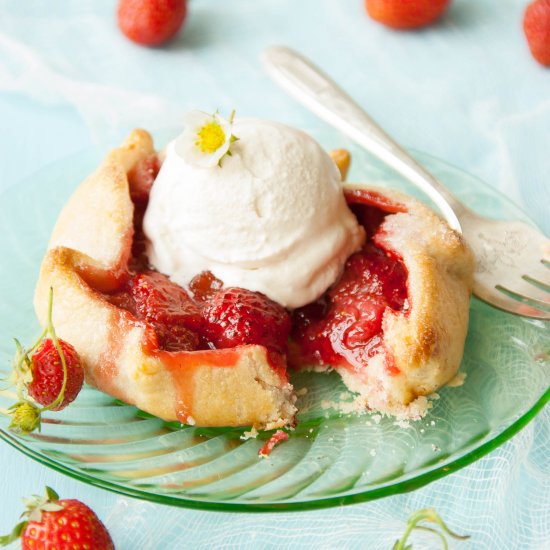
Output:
x=216 y=319
x=278 y=437
x=204 y=286
x=344 y=327
x=153 y=298
x=140 y=180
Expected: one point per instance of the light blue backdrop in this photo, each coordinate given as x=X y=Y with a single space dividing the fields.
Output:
x=465 y=90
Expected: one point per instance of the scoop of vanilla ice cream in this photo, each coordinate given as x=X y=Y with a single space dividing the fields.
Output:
x=271 y=219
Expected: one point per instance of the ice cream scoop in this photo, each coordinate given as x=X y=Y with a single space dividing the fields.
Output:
x=272 y=218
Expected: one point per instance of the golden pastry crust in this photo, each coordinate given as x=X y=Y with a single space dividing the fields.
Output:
x=426 y=341
x=92 y=242
x=98 y=218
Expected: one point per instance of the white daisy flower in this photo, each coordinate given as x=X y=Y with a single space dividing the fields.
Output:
x=206 y=138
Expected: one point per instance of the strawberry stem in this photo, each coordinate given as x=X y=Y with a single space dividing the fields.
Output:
x=38 y=341
x=426 y=514
x=435 y=532
x=51 y=331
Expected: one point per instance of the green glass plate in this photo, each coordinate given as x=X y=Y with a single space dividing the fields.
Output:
x=332 y=458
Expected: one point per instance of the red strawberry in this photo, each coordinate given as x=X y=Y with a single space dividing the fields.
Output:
x=50 y=371
x=47 y=374
x=536 y=25
x=235 y=316
x=406 y=14
x=65 y=524
x=151 y=22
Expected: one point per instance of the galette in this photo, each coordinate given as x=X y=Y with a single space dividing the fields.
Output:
x=191 y=282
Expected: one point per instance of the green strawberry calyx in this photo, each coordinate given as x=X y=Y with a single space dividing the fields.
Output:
x=35 y=506
x=25 y=417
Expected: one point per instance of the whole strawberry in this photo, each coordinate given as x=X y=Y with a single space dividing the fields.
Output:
x=47 y=374
x=536 y=25
x=51 y=523
x=406 y=14
x=50 y=372
x=151 y=22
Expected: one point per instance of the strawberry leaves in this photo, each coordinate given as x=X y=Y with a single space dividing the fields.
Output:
x=14 y=535
x=35 y=506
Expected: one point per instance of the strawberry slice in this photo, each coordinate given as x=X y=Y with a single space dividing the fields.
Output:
x=168 y=308
x=345 y=325
x=235 y=316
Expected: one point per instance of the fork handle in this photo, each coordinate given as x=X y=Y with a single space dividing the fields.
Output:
x=306 y=83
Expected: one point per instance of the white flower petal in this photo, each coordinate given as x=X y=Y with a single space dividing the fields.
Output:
x=186 y=143
x=196 y=119
x=220 y=151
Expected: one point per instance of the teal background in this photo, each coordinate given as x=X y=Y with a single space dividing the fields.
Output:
x=465 y=90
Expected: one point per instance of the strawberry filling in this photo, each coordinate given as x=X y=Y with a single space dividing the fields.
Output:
x=153 y=298
x=278 y=437
x=343 y=327
x=212 y=317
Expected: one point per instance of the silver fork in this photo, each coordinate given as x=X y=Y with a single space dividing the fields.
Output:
x=512 y=258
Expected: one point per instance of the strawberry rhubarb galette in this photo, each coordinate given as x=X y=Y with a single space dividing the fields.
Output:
x=189 y=282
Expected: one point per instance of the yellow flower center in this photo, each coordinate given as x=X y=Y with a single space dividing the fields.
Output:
x=210 y=137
